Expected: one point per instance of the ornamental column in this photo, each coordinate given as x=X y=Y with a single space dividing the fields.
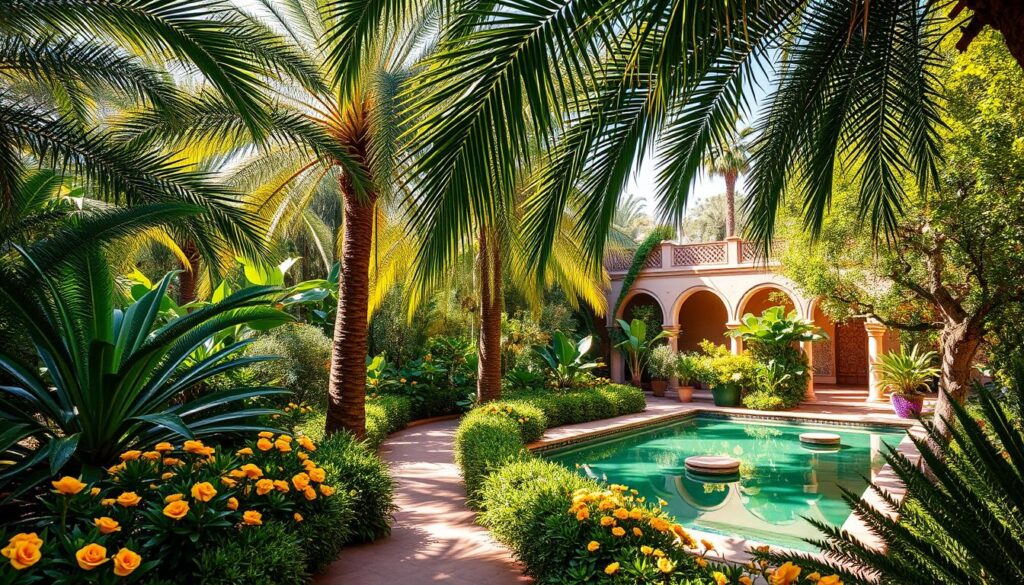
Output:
x=876 y=346
x=615 y=364
x=808 y=348
x=673 y=342
x=735 y=343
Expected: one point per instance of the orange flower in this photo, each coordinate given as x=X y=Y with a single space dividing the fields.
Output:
x=582 y=514
x=830 y=580
x=665 y=565
x=283 y=446
x=108 y=502
x=173 y=498
x=194 y=447
x=720 y=578
x=252 y=518
x=264 y=445
x=611 y=569
x=163 y=447
x=227 y=481
x=23 y=550
x=302 y=456
x=232 y=503
x=786 y=574
x=126 y=561
x=266 y=435
x=204 y=491
x=297 y=516
x=308 y=464
x=68 y=485
x=300 y=481
x=637 y=532
x=176 y=510
x=166 y=475
x=327 y=491
x=131 y=455
x=129 y=499
x=151 y=455
x=264 y=486
x=618 y=531
x=281 y=485
x=621 y=513
x=636 y=513
x=252 y=471
x=106 y=524
x=660 y=524
x=593 y=545
x=171 y=461
x=317 y=474
x=244 y=452
x=306 y=443
x=91 y=556
x=607 y=521
x=94 y=491
x=310 y=493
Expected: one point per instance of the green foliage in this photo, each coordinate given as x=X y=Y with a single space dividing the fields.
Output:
x=636 y=346
x=584 y=404
x=565 y=360
x=484 y=443
x=774 y=328
x=303 y=362
x=357 y=472
x=653 y=239
x=323 y=535
x=436 y=383
x=907 y=373
x=385 y=414
x=272 y=553
x=719 y=366
x=958 y=526
x=114 y=379
x=663 y=362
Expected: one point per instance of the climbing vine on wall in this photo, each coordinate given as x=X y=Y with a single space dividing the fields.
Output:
x=655 y=238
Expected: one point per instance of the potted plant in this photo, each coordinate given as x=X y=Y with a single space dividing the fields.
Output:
x=905 y=375
x=726 y=374
x=662 y=366
x=636 y=346
x=688 y=367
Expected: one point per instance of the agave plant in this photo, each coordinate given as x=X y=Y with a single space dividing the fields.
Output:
x=113 y=380
x=960 y=525
x=636 y=346
x=906 y=373
x=566 y=360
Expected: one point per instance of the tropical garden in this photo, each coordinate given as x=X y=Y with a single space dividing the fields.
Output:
x=241 y=243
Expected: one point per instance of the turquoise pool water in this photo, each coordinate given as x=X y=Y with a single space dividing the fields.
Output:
x=780 y=481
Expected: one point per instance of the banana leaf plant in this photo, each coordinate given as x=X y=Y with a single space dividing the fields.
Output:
x=112 y=379
x=566 y=359
x=636 y=347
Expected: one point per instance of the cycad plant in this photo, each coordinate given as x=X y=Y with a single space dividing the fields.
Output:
x=907 y=373
x=961 y=521
x=105 y=380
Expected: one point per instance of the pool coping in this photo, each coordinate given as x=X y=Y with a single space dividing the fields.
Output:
x=734 y=549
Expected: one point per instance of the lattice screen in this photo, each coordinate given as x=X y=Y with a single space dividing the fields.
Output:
x=699 y=254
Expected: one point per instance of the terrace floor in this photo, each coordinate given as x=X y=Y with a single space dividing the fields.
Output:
x=435 y=539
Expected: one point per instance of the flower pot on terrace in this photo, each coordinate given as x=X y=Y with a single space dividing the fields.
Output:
x=907 y=405
x=685 y=393
x=726 y=395
x=658 y=387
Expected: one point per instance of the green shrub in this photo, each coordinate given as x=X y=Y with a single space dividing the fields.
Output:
x=385 y=415
x=353 y=468
x=304 y=366
x=323 y=535
x=585 y=404
x=484 y=443
x=529 y=418
x=271 y=553
x=760 y=400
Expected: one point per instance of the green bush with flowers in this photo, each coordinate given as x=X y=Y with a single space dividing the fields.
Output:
x=156 y=512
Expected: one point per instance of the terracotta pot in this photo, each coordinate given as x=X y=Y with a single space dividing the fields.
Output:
x=907 y=405
x=685 y=393
x=658 y=387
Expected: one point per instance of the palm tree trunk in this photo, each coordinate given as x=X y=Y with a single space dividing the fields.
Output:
x=188 y=280
x=730 y=204
x=346 y=409
x=488 y=380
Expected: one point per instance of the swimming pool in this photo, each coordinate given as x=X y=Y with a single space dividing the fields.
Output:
x=780 y=481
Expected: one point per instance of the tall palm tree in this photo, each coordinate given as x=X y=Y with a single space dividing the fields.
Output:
x=729 y=159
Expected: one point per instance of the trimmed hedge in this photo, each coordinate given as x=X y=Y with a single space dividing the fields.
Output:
x=385 y=414
x=355 y=469
x=584 y=405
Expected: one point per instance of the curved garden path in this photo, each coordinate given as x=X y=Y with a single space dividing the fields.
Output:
x=434 y=538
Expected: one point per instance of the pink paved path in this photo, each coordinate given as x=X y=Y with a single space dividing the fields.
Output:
x=434 y=538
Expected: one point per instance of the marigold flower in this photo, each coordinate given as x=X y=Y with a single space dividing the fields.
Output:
x=317 y=474
x=266 y=435
x=232 y=503
x=194 y=447
x=264 y=486
x=297 y=517
x=637 y=532
x=244 y=452
x=582 y=514
x=283 y=446
x=94 y=491
x=302 y=456
x=607 y=521
x=163 y=447
x=606 y=505
x=646 y=549
x=264 y=445
x=108 y=502
x=308 y=465
x=68 y=485
x=131 y=455
x=660 y=524
x=281 y=485
x=621 y=513
x=307 y=444
x=91 y=556
x=310 y=493
x=300 y=481
x=203 y=491
x=106 y=524
x=618 y=531
x=327 y=491
x=636 y=513
x=151 y=455
x=720 y=578
x=830 y=580
x=129 y=499
x=593 y=545
x=252 y=518
x=786 y=574
x=126 y=561
x=611 y=569
x=665 y=565
x=176 y=510
x=171 y=461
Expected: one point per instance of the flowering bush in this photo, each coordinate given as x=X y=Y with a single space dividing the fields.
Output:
x=157 y=509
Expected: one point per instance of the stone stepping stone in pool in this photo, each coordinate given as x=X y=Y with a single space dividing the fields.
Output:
x=826 y=439
x=712 y=464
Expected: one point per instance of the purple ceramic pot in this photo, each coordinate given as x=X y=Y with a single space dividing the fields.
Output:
x=907 y=406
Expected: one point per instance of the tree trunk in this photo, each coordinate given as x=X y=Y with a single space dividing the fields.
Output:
x=346 y=409
x=958 y=345
x=488 y=380
x=188 y=280
x=1006 y=16
x=730 y=204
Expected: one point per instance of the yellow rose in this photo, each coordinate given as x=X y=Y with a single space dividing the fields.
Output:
x=252 y=471
x=232 y=503
x=131 y=455
x=317 y=474
x=151 y=455
x=637 y=532
x=297 y=516
x=252 y=518
x=266 y=435
x=194 y=447
x=176 y=510
x=607 y=521
x=23 y=553
x=244 y=452
x=126 y=561
x=593 y=545
x=611 y=569
x=327 y=491
x=310 y=493
x=281 y=485
x=720 y=578
x=300 y=481
x=665 y=565
x=203 y=491
x=108 y=502
x=91 y=556
x=106 y=524
x=307 y=444
x=68 y=485
x=786 y=574
x=264 y=445
x=129 y=499
x=264 y=486
x=618 y=531
x=621 y=513
x=163 y=447
x=830 y=580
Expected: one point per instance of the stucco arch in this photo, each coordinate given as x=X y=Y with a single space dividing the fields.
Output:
x=795 y=299
x=635 y=292
x=689 y=292
x=707 y=314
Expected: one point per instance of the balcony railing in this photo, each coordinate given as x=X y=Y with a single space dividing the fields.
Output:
x=670 y=256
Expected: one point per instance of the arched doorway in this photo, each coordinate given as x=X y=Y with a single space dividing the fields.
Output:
x=646 y=308
x=702 y=315
x=765 y=298
x=852 y=353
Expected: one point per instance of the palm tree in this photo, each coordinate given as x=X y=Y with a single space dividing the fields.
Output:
x=728 y=159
